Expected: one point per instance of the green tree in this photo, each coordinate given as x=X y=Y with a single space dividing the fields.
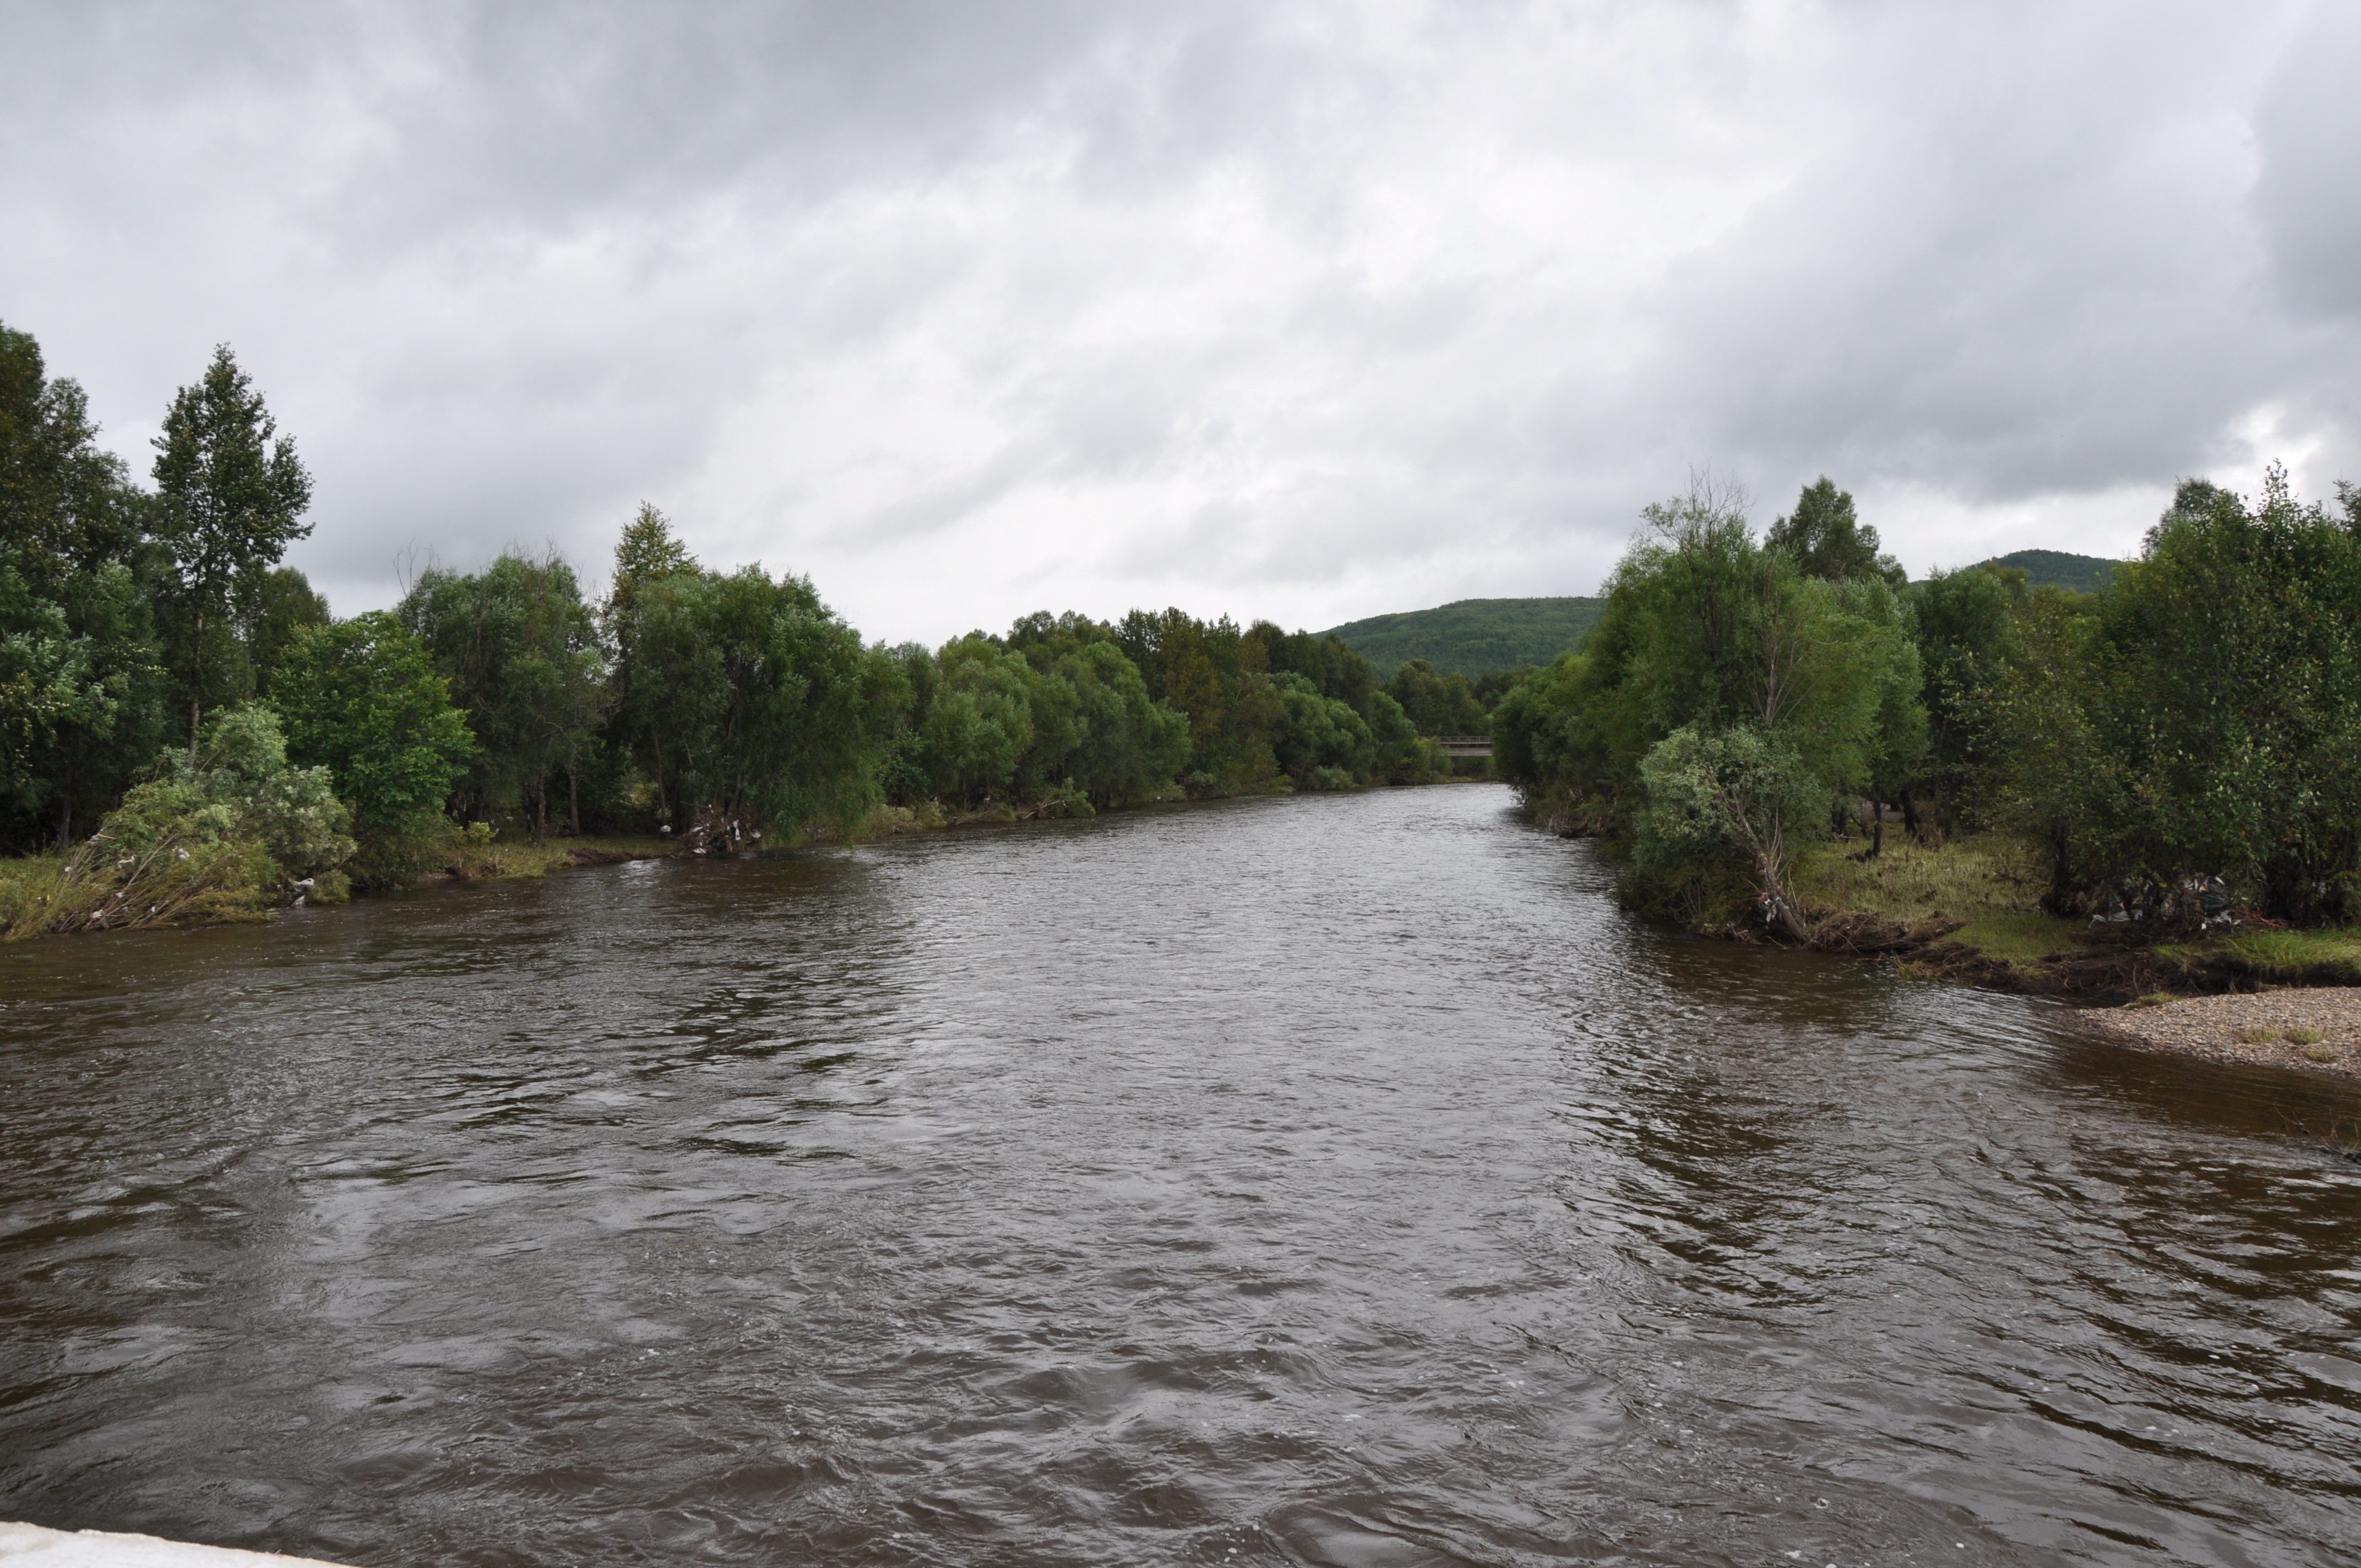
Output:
x=283 y=609
x=751 y=700
x=1964 y=626
x=2228 y=703
x=647 y=550
x=1320 y=742
x=81 y=689
x=980 y=725
x=527 y=667
x=222 y=836
x=362 y=698
x=1437 y=704
x=1737 y=793
x=230 y=496
x=1828 y=540
x=1709 y=634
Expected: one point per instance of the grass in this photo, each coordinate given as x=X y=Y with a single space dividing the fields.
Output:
x=2305 y=1036
x=498 y=860
x=1967 y=878
x=2283 y=955
x=2258 y=1036
x=26 y=886
x=1991 y=884
x=2020 y=939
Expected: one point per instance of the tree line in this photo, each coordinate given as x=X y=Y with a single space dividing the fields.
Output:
x=2188 y=727
x=176 y=704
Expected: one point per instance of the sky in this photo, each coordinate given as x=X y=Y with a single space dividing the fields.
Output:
x=1296 y=311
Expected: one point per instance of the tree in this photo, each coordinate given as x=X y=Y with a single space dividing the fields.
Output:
x=1828 y=541
x=1736 y=793
x=1771 y=676
x=752 y=699
x=284 y=609
x=524 y=662
x=1437 y=704
x=980 y=724
x=2228 y=704
x=362 y=697
x=647 y=550
x=80 y=678
x=1964 y=625
x=230 y=497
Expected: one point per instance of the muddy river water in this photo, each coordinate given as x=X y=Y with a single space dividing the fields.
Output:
x=1334 y=1180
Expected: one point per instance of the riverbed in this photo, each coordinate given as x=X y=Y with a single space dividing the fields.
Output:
x=1330 y=1179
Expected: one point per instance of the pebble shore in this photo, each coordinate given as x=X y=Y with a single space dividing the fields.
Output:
x=2213 y=1027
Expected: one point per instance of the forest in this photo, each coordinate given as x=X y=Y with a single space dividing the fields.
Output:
x=1473 y=637
x=187 y=732
x=2174 y=749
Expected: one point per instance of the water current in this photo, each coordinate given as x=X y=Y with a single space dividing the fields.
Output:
x=1330 y=1180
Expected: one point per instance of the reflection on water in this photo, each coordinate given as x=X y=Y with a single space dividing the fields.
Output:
x=1330 y=1180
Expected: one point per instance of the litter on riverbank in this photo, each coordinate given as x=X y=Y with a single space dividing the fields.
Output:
x=2315 y=1029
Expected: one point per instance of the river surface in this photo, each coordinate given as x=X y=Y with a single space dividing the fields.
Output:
x=1333 y=1181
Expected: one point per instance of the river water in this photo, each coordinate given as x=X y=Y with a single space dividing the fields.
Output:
x=1335 y=1180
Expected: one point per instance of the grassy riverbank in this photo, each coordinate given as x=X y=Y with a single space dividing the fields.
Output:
x=1971 y=909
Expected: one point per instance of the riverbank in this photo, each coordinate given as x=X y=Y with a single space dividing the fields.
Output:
x=2313 y=1030
x=35 y=899
x=1969 y=912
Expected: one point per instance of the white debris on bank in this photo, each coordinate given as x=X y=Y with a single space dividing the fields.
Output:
x=30 y=1546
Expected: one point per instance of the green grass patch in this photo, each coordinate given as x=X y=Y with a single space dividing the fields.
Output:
x=2024 y=939
x=2283 y=955
x=497 y=860
x=27 y=885
x=1986 y=879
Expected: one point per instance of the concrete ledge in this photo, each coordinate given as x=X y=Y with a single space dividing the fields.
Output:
x=30 y=1546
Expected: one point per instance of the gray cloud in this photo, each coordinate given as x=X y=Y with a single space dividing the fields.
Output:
x=1309 y=310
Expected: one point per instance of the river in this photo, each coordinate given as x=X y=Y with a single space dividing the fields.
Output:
x=1331 y=1179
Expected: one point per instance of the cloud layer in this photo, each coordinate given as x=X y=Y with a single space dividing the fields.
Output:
x=1298 y=309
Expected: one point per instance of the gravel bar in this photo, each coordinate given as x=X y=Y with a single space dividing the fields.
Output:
x=2213 y=1027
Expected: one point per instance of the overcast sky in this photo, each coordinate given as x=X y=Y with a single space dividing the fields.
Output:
x=1295 y=309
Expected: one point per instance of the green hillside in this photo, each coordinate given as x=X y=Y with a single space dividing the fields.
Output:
x=2057 y=569
x=1473 y=637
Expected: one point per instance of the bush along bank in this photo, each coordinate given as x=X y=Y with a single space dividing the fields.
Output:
x=2142 y=790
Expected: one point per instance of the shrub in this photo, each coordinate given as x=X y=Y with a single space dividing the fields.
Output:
x=226 y=837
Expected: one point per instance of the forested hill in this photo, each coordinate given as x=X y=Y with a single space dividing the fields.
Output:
x=1473 y=637
x=2058 y=569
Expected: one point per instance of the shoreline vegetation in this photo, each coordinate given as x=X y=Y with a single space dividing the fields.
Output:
x=187 y=735
x=2134 y=794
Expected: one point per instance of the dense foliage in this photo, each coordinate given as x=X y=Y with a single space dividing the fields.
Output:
x=2193 y=720
x=165 y=679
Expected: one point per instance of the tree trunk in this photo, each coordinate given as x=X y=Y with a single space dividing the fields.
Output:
x=540 y=812
x=2061 y=898
x=1876 y=829
x=574 y=802
x=65 y=813
x=1909 y=814
x=1779 y=911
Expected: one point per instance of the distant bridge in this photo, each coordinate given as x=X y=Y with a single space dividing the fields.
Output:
x=1464 y=745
